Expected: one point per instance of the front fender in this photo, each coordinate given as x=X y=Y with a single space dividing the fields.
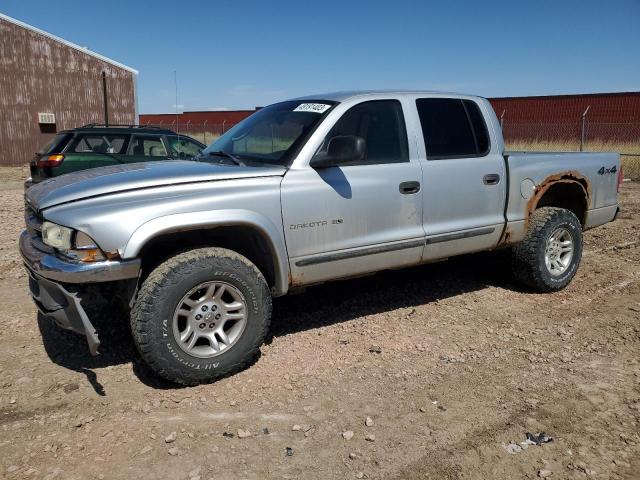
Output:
x=205 y=219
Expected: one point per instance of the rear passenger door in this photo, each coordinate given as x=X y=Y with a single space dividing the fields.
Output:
x=464 y=177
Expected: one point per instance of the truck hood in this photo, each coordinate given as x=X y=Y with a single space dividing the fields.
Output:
x=119 y=178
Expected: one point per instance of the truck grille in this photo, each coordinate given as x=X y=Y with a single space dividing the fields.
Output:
x=33 y=221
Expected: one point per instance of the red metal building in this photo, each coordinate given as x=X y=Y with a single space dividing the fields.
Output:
x=621 y=107
x=579 y=119
x=604 y=108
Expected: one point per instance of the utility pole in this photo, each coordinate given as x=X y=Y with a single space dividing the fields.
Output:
x=105 y=98
x=583 y=132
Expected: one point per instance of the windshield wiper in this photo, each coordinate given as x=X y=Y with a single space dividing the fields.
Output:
x=220 y=153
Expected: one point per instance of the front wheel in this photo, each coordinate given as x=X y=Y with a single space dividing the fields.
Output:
x=201 y=315
x=548 y=257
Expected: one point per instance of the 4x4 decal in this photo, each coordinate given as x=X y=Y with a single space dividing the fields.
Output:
x=603 y=170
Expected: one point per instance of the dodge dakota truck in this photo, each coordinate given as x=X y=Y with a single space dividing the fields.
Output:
x=302 y=192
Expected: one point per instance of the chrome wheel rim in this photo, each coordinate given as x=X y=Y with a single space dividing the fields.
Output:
x=558 y=251
x=209 y=319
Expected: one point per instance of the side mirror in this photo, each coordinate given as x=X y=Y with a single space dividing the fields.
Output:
x=341 y=150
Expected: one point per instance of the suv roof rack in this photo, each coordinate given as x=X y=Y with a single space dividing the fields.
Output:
x=103 y=125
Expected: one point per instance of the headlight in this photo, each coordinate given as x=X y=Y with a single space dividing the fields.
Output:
x=84 y=242
x=85 y=249
x=56 y=236
x=73 y=244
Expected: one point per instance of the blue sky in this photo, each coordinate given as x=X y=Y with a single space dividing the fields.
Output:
x=232 y=54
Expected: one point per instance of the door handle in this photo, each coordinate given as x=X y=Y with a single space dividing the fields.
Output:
x=491 y=179
x=407 y=188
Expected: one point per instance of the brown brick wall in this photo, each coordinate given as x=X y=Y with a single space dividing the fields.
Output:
x=41 y=74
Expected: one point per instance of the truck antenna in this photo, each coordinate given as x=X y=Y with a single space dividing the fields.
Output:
x=175 y=81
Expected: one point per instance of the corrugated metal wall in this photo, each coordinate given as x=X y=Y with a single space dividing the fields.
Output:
x=611 y=117
x=604 y=107
x=40 y=74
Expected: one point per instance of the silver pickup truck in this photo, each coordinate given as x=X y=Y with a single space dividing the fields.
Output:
x=302 y=192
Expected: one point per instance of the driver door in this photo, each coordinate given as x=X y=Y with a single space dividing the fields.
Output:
x=359 y=217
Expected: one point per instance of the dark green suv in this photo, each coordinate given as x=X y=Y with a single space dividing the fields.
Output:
x=97 y=146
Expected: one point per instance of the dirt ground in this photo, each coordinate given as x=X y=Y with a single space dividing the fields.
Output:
x=452 y=362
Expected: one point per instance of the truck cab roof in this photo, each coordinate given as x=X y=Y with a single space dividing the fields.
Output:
x=342 y=96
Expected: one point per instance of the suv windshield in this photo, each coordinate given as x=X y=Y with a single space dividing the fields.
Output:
x=273 y=133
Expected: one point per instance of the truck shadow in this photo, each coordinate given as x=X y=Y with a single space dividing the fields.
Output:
x=319 y=306
x=70 y=350
x=346 y=300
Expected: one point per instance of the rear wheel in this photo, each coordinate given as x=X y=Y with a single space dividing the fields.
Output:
x=548 y=257
x=201 y=315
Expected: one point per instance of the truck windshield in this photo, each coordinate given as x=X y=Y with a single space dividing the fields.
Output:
x=273 y=134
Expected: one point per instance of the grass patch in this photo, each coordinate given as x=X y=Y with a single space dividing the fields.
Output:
x=204 y=137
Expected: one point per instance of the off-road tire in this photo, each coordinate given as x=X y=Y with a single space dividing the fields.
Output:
x=152 y=314
x=528 y=256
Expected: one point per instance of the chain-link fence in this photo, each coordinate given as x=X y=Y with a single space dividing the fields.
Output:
x=203 y=132
x=623 y=138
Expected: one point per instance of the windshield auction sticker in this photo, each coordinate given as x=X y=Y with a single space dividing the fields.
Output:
x=312 y=107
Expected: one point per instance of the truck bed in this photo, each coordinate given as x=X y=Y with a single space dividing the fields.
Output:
x=531 y=172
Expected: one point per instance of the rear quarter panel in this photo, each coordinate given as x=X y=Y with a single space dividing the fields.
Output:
x=74 y=162
x=529 y=172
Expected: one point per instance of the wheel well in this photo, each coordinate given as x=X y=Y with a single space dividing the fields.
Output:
x=570 y=195
x=246 y=241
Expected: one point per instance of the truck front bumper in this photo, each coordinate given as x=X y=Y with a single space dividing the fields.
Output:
x=47 y=272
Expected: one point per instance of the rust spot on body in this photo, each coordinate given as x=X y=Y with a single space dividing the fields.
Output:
x=296 y=280
x=570 y=177
x=505 y=239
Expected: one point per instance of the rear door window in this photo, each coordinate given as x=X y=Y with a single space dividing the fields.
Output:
x=147 y=146
x=452 y=128
x=479 y=126
x=98 y=143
